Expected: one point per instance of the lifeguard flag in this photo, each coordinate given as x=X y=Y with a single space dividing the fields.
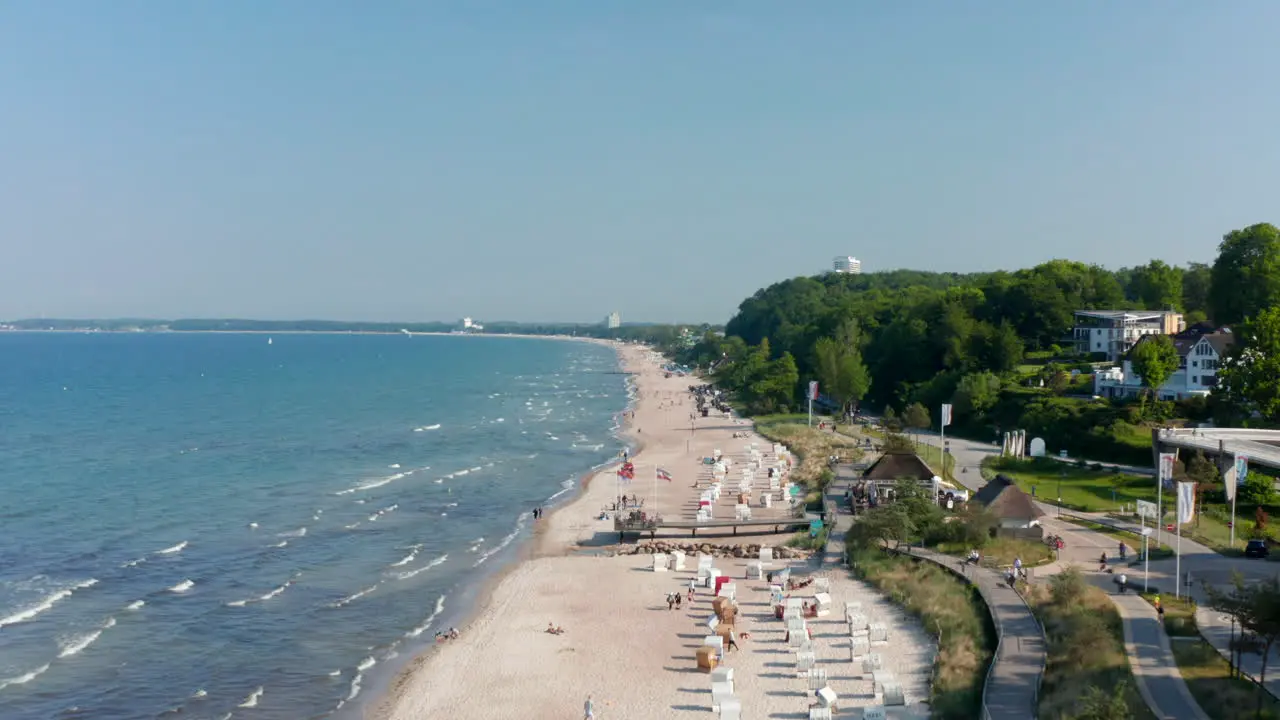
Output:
x=664 y=475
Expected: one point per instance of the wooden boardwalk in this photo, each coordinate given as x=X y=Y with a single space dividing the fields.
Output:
x=623 y=526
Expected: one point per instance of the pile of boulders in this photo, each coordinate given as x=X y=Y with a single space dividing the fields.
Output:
x=782 y=552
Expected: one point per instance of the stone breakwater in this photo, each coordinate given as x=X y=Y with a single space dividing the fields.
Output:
x=783 y=552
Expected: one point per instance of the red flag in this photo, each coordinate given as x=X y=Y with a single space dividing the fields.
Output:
x=664 y=475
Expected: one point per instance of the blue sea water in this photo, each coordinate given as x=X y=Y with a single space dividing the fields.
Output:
x=214 y=526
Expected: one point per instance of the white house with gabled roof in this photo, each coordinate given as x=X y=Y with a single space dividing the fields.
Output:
x=1200 y=354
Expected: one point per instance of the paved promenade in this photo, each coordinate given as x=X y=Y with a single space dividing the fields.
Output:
x=1013 y=682
x=1154 y=669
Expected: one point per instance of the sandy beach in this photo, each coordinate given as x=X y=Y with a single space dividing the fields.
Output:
x=622 y=645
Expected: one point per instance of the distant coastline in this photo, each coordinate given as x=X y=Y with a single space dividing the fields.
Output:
x=230 y=325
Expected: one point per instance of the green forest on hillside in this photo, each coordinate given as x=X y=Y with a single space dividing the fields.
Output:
x=998 y=345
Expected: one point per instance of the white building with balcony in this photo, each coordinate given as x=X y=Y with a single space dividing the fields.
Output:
x=1113 y=333
x=846 y=264
x=613 y=321
x=1199 y=357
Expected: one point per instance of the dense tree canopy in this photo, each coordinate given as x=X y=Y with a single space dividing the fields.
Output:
x=1001 y=345
x=912 y=325
x=1246 y=275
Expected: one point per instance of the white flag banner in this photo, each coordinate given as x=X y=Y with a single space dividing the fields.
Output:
x=1186 y=502
x=813 y=389
x=1147 y=509
x=946 y=415
x=1166 y=469
x=1241 y=465
x=1229 y=482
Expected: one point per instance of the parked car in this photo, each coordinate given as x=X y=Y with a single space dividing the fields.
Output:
x=1257 y=548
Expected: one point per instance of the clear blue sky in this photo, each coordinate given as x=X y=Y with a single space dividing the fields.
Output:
x=557 y=160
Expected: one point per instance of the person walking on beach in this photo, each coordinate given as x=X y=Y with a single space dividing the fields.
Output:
x=588 y=710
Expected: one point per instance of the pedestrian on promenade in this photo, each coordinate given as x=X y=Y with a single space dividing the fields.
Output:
x=588 y=710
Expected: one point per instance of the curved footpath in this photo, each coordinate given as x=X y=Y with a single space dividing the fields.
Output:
x=1013 y=681
x=1151 y=659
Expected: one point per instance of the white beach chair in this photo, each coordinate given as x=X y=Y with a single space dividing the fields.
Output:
x=755 y=570
x=824 y=604
x=893 y=695
x=871 y=663
x=879 y=679
x=878 y=634
x=851 y=609
x=816 y=678
x=659 y=562
x=713 y=622
x=766 y=556
x=827 y=697
x=722 y=674
x=742 y=512
x=822 y=585
x=805 y=662
x=677 y=560
x=858 y=649
x=729 y=590
x=719 y=693
x=731 y=709
x=714 y=641
x=819 y=713
x=857 y=624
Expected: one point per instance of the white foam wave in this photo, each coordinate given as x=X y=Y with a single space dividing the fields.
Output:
x=45 y=604
x=430 y=619
x=280 y=544
x=24 y=678
x=355 y=596
x=352 y=526
x=426 y=428
x=394 y=466
x=264 y=597
x=300 y=532
x=134 y=563
x=252 y=700
x=365 y=664
x=74 y=646
x=182 y=587
x=173 y=550
x=135 y=605
x=199 y=693
x=424 y=568
x=413 y=554
x=507 y=540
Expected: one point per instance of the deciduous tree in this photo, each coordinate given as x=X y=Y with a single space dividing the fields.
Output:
x=1256 y=608
x=977 y=393
x=916 y=417
x=1246 y=275
x=1250 y=376
x=1155 y=359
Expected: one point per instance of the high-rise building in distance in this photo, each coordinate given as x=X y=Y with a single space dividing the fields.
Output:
x=847 y=264
x=613 y=321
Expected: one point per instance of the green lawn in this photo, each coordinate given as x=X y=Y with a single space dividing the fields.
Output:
x=1079 y=488
x=1001 y=552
